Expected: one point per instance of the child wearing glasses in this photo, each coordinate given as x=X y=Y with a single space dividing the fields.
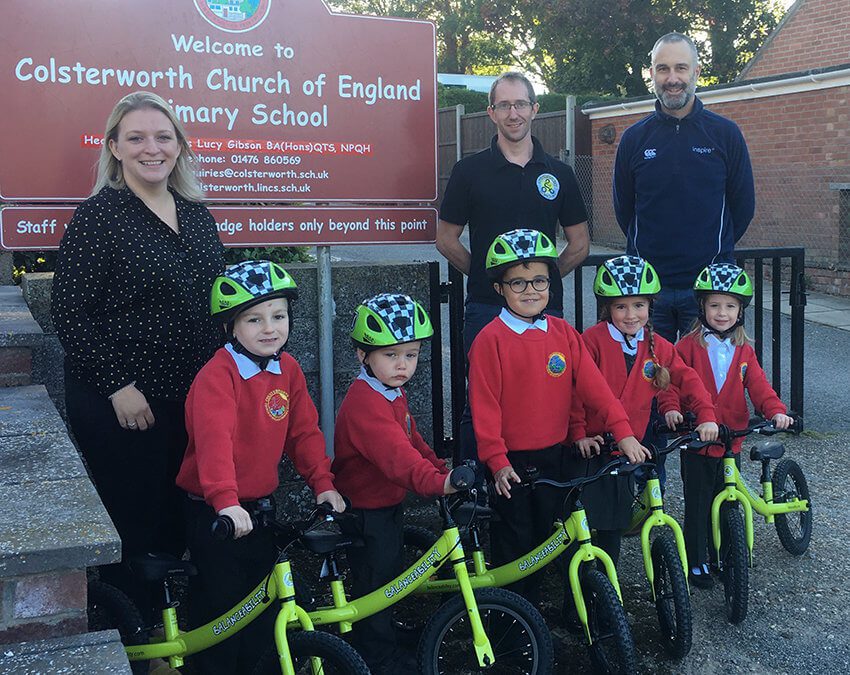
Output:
x=525 y=368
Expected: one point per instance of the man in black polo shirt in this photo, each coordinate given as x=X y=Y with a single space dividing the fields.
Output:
x=512 y=184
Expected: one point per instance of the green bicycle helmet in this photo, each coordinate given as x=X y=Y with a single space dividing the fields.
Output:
x=624 y=276
x=389 y=319
x=518 y=246
x=247 y=284
x=725 y=278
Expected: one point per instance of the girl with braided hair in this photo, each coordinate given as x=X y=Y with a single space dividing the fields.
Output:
x=637 y=364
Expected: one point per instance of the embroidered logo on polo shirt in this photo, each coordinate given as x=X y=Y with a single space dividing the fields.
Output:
x=648 y=370
x=548 y=186
x=743 y=370
x=277 y=404
x=556 y=364
x=649 y=153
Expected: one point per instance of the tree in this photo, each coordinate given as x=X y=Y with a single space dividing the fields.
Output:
x=471 y=36
x=734 y=31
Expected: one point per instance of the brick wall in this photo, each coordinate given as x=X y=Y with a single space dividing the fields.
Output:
x=799 y=144
x=815 y=35
x=36 y=606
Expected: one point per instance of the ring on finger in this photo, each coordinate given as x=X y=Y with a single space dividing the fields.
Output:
x=131 y=425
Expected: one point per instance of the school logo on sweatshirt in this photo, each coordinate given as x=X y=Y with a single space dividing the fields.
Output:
x=648 y=370
x=556 y=364
x=277 y=404
x=743 y=370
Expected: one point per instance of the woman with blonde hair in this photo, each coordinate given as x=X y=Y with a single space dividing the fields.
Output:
x=131 y=308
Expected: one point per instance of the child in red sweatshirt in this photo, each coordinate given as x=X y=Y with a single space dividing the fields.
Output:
x=246 y=407
x=525 y=371
x=718 y=350
x=637 y=364
x=378 y=456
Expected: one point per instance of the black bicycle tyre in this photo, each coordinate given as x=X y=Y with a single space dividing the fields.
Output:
x=338 y=657
x=672 y=601
x=612 y=648
x=109 y=607
x=734 y=559
x=518 y=634
x=795 y=544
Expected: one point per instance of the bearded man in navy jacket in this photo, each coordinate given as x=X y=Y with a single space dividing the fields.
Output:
x=683 y=185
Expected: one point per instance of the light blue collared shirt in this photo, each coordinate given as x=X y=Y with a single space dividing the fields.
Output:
x=248 y=368
x=519 y=326
x=720 y=353
x=389 y=394
x=618 y=337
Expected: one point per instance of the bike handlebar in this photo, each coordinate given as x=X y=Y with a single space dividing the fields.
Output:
x=222 y=527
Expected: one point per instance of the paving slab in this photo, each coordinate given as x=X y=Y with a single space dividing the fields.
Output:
x=100 y=652
x=25 y=411
x=54 y=524
x=39 y=458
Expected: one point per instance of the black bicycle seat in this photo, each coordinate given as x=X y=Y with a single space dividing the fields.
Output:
x=767 y=450
x=322 y=542
x=159 y=566
x=463 y=513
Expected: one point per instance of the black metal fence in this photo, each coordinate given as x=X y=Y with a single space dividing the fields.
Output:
x=768 y=266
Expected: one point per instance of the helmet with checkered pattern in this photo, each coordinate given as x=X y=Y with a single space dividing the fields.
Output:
x=519 y=246
x=247 y=284
x=389 y=319
x=624 y=276
x=724 y=278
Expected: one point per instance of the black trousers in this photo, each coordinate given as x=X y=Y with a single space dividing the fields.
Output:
x=134 y=473
x=379 y=561
x=227 y=572
x=702 y=480
x=525 y=520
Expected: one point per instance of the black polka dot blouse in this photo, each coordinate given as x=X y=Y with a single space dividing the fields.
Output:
x=131 y=298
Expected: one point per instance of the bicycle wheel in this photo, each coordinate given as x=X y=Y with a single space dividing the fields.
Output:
x=519 y=636
x=672 y=602
x=794 y=529
x=411 y=614
x=338 y=657
x=109 y=607
x=734 y=563
x=612 y=649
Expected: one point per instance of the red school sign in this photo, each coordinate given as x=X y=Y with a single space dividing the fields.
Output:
x=283 y=100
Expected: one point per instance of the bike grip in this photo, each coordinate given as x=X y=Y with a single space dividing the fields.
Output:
x=462 y=478
x=797 y=427
x=222 y=528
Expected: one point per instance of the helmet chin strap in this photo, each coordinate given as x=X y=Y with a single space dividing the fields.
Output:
x=721 y=334
x=239 y=348
x=370 y=373
x=625 y=337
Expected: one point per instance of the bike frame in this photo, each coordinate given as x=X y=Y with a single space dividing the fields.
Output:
x=176 y=644
x=651 y=500
x=736 y=490
x=447 y=548
x=575 y=529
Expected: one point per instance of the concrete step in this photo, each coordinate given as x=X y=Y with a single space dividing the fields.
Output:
x=86 y=653
x=20 y=338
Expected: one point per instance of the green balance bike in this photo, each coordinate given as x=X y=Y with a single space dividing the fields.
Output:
x=595 y=594
x=784 y=501
x=297 y=647
x=517 y=629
